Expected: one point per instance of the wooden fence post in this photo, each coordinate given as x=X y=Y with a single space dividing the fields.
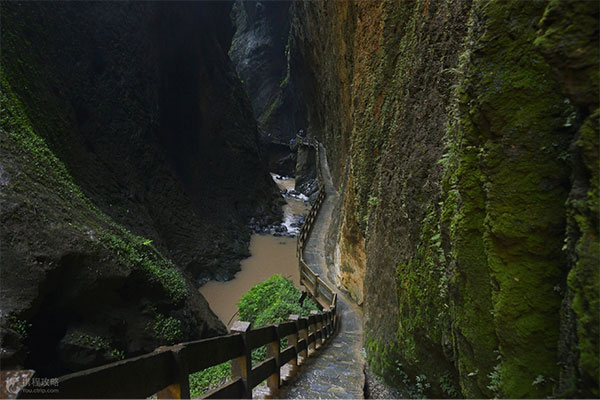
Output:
x=303 y=334
x=242 y=366
x=317 y=288
x=328 y=322
x=293 y=341
x=274 y=381
x=317 y=329
x=180 y=389
x=312 y=328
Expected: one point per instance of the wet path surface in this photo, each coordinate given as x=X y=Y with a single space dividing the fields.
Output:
x=337 y=372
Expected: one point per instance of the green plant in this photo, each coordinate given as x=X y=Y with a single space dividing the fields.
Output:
x=495 y=379
x=208 y=379
x=118 y=354
x=20 y=326
x=447 y=385
x=416 y=389
x=139 y=252
x=539 y=380
x=95 y=342
x=421 y=386
x=373 y=200
x=272 y=301
x=167 y=329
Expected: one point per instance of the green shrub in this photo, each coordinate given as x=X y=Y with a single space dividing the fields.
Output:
x=272 y=302
x=20 y=326
x=210 y=378
x=167 y=329
x=95 y=342
x=266 y=303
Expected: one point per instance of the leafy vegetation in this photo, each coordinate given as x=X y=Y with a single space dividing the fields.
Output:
x=167 y=329
x=266 y=303
x=95 y=342
x=138 y=251
x=18 y=325
x=447 y=385
x=272 y=302
x=118 y=354
x=134 y=251
x=209 y=379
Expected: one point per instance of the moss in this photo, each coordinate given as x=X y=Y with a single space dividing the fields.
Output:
x=568 y=38
x=167 y=329
x=20 y=326
x=584 y=277
x=424 y=329
x=382 y=359
x=269 y=110
x=514 y=117
x=44 y=168
x=95 y=342
x=33 y=116
x=474 y=331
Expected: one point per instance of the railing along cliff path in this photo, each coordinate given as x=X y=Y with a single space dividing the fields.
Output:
x=165 y=372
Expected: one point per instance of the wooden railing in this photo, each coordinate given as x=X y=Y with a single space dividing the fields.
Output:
x=314 y=285
x=165 y=372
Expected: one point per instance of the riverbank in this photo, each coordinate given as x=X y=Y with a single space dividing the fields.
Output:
x=270 y=254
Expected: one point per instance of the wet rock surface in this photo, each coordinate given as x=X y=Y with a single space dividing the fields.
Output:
x=260 y=54
x=375 y=388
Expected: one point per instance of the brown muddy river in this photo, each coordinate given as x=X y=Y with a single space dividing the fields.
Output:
x=269 y=255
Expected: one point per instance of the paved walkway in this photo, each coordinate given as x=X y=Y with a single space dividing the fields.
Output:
x=337 y=372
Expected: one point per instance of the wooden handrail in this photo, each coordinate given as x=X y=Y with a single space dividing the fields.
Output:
x=314 y=285
x=165 y=371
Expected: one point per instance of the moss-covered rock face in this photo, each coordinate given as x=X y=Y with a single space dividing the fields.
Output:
x=130 y=166
x=467 y=135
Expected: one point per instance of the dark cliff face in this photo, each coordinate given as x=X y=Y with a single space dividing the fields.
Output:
x=463 y=136
x=130 y=166
x=260 y=52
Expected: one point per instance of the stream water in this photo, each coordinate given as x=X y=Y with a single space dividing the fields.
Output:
x=269 y=255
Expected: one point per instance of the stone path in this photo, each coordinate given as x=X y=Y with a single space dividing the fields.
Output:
x=337 y=372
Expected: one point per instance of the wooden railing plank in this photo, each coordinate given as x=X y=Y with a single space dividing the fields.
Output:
x=206 y=353
x=137 y=377
x=241 y=367
x=259 y=337
x=262 y=371
x=302 y=345
x=287 y=355
x=302 y=323
x=286 y=328
x=230 y=390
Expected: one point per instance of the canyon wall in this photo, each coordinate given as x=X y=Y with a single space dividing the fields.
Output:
x=130 y=167
x=463 y=137
x=259 y=52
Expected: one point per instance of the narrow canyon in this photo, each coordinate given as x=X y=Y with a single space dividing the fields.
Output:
x=158 y=160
